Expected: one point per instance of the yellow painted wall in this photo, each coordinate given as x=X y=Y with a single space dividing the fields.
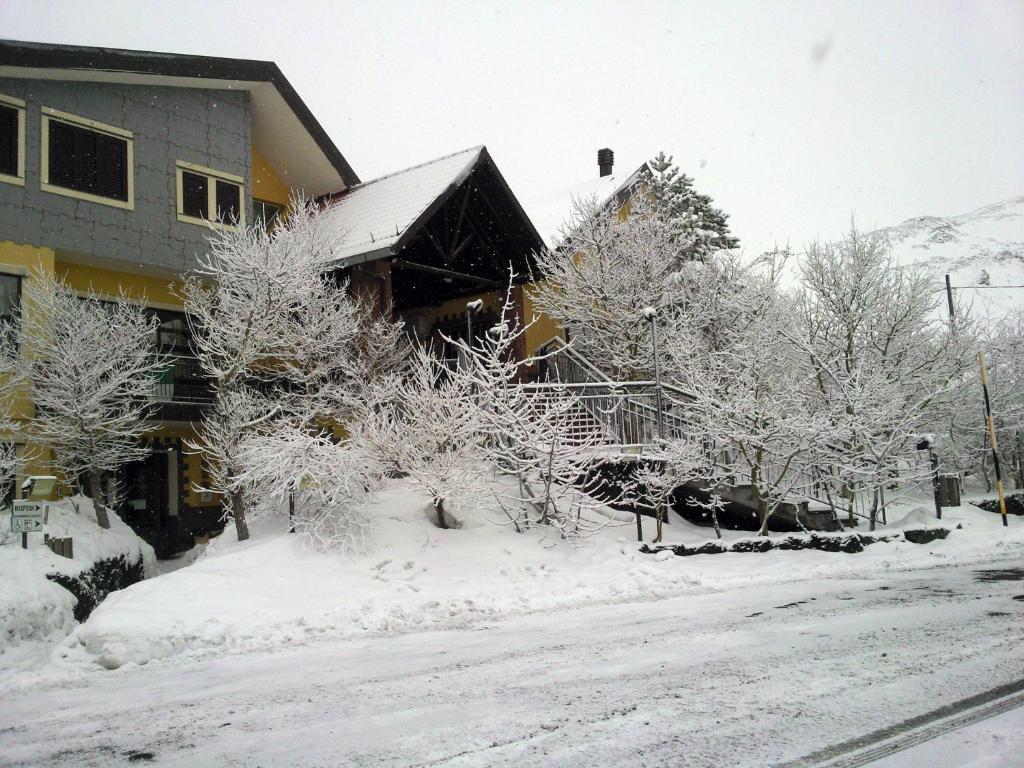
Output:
x=266 y=184
x=23 y=259
x=541 y=332
x=153 y=291
x=544 y=327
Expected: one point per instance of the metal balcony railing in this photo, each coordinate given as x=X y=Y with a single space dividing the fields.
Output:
x=183 y=382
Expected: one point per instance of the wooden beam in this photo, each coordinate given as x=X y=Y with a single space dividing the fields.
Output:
x=449 y=273
x=436 y=243
x=462 y=212
x=487 y=243
x=498 y=218
x=462 y=246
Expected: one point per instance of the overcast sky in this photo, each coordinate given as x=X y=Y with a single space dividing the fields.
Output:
x=792 y=115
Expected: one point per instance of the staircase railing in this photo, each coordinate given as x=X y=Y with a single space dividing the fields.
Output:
x=626 y=411
x=627 y=414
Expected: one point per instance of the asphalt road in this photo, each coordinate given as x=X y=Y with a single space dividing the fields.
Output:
x=793 y=674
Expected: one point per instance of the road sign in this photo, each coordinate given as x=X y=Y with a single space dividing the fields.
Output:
x=26 y=516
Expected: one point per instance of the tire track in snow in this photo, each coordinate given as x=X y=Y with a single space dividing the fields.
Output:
x=865 y=750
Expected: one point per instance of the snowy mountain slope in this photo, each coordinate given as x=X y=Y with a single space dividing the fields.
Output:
x=985 y=246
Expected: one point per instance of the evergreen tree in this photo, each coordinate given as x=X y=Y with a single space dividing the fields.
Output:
x=699 y=227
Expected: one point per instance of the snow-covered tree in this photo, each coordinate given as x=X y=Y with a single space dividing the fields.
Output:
x=749 y=422
x=753 y=409
x=699 y=228
x=966 y=445
x=430 y=429
x=279 y=338
x=879 y=356
x=612 y=261
x=672 y=464
x=326 y=484
x=542 y=436
x=9 y=464
x=90 y=368
x=606 y=270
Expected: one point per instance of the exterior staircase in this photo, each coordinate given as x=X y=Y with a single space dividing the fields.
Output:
x=623 y=422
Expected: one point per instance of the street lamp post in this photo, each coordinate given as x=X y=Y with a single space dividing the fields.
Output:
x=471 y=307
x=652 y=315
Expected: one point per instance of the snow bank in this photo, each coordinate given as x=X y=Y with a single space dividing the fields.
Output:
x=33 y=607
x=271 y=592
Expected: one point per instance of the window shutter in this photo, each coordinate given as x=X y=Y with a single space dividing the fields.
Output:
x=88 y=161
x=111 y=167
x=62 y=155
x=194 y=191
x=229 y=202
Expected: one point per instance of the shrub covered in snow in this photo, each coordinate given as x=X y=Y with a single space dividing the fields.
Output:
x=32 y=604
x=326 y=487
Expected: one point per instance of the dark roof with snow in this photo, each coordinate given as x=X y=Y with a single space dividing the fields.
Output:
x=380 y=217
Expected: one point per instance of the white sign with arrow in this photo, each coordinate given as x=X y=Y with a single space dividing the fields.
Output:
x=26 y=516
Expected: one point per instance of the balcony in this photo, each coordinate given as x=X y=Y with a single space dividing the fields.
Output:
x=182 y=393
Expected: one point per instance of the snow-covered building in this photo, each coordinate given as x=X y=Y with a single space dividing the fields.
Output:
x=425 y=241
x=551 y=211
x=112 y=165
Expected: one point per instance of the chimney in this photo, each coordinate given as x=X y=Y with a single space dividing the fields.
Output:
x=605 y=161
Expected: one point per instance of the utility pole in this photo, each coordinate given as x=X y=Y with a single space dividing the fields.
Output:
x=949 y=299
x=992 y=436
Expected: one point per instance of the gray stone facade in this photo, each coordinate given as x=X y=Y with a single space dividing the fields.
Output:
x=207 y=127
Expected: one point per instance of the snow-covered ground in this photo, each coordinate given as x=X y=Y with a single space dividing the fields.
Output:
x=991 y=743
x=758 y=675
x=33 y=608
x=481 y=646
x=271 y=592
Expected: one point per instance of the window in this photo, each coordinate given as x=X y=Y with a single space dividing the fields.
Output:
x=10 y=297
x=85 y=159
x=10 y=300
x=12 y=140
x=173 y=334
x=265 y=213
x=209 y=197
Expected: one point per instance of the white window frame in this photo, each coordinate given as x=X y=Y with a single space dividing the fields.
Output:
x=19 y=106
x=211 y=194
x=48 y=114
